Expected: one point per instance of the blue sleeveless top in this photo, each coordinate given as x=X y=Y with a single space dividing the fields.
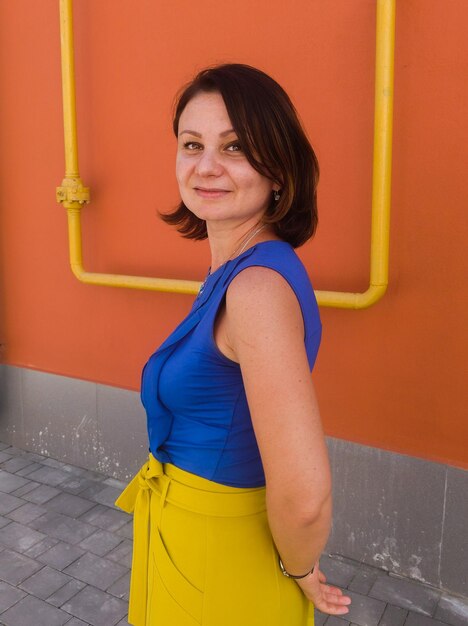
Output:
x=197 y=413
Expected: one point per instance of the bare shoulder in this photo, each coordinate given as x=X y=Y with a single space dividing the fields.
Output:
x=262 y=285
x=257 y=276
x=261 y=303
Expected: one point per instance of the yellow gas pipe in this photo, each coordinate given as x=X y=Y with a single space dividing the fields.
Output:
x=72 y=194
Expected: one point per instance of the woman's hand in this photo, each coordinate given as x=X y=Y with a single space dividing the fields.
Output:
x=326 y=598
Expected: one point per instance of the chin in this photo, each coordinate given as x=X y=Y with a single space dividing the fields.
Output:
x=211 y=212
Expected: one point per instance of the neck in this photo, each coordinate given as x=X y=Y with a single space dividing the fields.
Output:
x=237 y=246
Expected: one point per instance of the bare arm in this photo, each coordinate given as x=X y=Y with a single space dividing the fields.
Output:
x=265 y=330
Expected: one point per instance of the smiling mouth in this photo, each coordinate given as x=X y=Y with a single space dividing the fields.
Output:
x=211 y=194
x=210 y=190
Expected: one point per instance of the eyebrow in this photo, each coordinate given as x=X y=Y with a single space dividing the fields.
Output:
x=193 y=132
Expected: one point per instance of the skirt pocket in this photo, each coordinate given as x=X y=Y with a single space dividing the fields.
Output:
x=170 y=586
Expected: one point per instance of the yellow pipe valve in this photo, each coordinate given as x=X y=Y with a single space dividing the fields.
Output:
x=72 y=192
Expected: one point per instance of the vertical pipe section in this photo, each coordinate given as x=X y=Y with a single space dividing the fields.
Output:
x=72 y=194
x=383 y=130
x=382 y=168
x=68 y=89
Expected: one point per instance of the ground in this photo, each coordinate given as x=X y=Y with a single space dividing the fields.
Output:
x=65 y=556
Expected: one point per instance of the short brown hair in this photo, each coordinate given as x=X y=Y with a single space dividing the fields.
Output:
x=273 y=141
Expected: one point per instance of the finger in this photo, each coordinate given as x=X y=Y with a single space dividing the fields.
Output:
x=340 y=603
x=333 y=603
x=330 y=608
x=335 y=590
x=338 y=600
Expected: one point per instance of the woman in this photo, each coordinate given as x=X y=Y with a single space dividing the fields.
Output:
x=233 y=507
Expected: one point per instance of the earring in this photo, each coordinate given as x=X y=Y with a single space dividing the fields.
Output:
x=276 y=195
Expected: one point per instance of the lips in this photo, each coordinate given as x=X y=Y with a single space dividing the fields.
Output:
x=209 y=189
x=210 y=193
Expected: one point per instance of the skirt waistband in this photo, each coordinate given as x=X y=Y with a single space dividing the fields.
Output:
x=192 y=492
x=199 y=482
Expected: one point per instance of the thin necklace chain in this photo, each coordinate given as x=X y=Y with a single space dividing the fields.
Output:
x=238 y=251
x=240 y=248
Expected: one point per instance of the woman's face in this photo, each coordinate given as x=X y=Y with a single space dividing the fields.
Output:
x=216 y=181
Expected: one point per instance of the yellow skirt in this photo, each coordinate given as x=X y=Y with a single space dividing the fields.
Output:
x=203 y=554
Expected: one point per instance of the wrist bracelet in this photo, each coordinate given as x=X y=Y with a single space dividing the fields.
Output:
x=285 y=573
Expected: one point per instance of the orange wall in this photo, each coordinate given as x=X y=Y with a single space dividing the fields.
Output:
x=389 y=376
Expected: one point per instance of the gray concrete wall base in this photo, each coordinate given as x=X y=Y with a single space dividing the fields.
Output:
x=407 y=515
x=404 y=514
x=94 y=426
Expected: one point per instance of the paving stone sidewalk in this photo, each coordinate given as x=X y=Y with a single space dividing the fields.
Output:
x=65 y=557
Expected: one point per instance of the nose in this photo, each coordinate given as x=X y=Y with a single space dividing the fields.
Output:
x=208 y=163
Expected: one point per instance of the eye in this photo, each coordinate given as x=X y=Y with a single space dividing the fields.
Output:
x=237 y=147
x=187 y=145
